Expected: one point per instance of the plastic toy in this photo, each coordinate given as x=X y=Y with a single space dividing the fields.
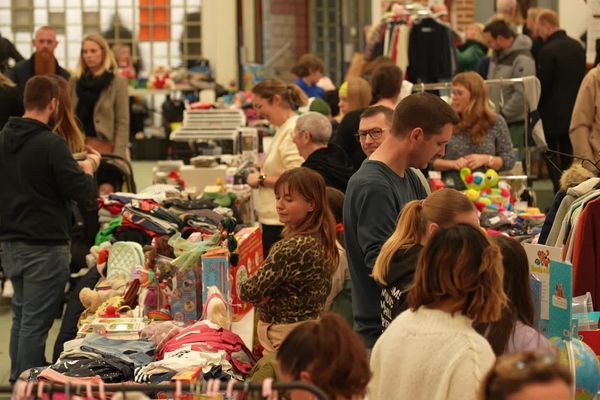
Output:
x=482 y=192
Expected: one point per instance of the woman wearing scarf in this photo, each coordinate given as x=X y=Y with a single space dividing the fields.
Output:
x=101 y=102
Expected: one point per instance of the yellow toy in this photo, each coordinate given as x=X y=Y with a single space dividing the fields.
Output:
x=92 y=299
x=481 y=189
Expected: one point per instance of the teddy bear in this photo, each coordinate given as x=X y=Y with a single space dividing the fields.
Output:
x=93 y=298
x=160 y=78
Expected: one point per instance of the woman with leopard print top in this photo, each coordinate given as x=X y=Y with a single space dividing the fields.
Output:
x=293 y=283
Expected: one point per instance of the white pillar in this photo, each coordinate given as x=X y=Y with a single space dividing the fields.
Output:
x=219 y=38
x=573 y=17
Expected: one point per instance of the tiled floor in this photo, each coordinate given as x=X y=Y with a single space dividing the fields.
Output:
x=143 y=178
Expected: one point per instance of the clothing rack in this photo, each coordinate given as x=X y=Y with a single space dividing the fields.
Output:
x=178 y=389
x=421 y=87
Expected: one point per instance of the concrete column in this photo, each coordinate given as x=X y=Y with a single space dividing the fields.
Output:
x=219 y=38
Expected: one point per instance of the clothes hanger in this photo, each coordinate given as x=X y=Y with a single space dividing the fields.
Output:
x=229 y=391
x=40 y=390
x=548 y=155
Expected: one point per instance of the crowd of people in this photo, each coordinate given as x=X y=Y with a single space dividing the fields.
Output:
x=439 y=309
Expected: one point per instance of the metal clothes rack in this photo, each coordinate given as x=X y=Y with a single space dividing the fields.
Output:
x=421 y=87
x=194 y=388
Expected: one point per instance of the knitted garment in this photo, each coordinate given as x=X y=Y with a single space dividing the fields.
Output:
x=429 y=355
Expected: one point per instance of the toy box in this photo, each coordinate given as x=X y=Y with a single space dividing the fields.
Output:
x=186 y=299
x=215 y=269
x=250 y=258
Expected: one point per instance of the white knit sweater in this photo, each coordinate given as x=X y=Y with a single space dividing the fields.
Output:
x=431 y=355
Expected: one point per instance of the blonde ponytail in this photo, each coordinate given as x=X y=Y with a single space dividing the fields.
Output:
x=409 y=231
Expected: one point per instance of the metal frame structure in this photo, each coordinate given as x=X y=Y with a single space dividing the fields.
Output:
x=72 y=19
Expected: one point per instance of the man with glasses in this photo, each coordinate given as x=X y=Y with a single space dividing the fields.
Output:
x=42 y=61
x=422 y=125
x=40 y=178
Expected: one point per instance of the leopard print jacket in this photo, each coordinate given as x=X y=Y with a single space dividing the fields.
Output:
x=293 y=283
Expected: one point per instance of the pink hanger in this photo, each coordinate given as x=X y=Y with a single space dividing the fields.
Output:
x=40 y=390
x=177 y=390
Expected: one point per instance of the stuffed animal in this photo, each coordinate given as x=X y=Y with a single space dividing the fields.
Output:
x=93 y=298
x=216 y=309
x=481 y=189
x=160 y=78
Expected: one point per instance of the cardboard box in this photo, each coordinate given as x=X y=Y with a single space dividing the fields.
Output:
x=250 y=258
x=215 y=272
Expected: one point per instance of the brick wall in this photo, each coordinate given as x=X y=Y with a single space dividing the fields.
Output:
x=288 y=22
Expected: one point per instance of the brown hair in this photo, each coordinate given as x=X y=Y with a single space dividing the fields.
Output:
x=375 y=110
x=460 y=265
x=331 y=352
x=335 y=201
x=65 y=123
x=386 y=82
x=359 y=93
x=290 y=94
x=307 y=64
x=370 y=66
x=422 y=110
x=518 y=290
x=39 y=92
x=511 y=373
x=320 y=223
x=441 y=207
x=478 y=117
x=547 y=16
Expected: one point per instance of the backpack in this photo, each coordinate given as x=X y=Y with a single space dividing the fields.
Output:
x=122 y=257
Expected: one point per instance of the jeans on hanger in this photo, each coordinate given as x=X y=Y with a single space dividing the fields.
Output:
x=39 y=274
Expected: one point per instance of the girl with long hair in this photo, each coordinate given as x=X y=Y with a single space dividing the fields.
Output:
x=395 y=266
x=481 y=139
x=65 y=123
x=326 y=353
x=432 y=351
x=277 y=102
x=293 y=283
x=515 y=331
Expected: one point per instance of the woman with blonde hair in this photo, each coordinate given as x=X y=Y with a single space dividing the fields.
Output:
x=101 y=101
x=431 y=351
x=277 y=102
x=470 y=53
x=395 y=266
x=355 y=93
x=481 y=139
x=100 y=97
x=11 y=100
x=293 y=283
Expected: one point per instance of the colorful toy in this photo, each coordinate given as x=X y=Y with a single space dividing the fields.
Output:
x=481 y=190
x=160 y=78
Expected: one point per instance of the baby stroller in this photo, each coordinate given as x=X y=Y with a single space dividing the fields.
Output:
x=116 y=171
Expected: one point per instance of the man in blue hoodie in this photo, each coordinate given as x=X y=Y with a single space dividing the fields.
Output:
x=39 y=180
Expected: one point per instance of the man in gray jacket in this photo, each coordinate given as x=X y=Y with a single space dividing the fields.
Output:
x=511 y=59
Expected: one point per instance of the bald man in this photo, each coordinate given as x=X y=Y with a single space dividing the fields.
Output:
x=42 y=61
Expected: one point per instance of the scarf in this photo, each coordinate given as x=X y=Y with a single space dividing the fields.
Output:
x=88 y=89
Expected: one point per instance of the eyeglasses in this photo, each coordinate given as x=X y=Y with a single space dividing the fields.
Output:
x=374 y=133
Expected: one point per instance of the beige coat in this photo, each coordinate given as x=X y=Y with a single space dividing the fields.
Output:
x=111 y=114
x=585 y=122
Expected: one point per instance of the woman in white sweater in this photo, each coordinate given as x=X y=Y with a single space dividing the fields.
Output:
x=431 y=351
x=277 y=102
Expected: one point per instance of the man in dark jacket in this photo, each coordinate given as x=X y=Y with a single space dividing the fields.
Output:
x=42 y=61
x=560 y=69
x=39 y=180
x=311 y=136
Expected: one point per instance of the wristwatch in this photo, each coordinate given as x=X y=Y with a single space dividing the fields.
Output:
x=261 y=180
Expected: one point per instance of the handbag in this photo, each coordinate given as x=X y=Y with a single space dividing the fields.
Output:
x=100 y=146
